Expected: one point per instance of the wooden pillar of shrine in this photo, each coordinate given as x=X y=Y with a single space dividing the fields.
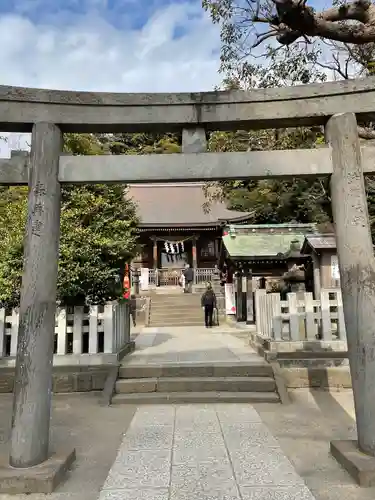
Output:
x=239 y=304
x=155 y=252
x=249 y=297
x=194 y=252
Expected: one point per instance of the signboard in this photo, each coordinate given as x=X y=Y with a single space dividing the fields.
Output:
x=230 y=299
x=335 y=271
x=143 y=280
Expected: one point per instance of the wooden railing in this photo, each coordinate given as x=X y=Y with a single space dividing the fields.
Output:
x=203 y=275
x=171 y=277
x=78 y=330
x=300 y=319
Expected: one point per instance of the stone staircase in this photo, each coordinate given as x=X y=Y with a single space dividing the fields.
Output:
x=176 y=309
x=249 y=381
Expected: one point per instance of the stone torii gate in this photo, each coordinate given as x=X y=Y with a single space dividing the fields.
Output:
x=48 y=114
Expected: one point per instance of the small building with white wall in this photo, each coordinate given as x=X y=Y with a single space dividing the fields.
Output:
x=322 y=250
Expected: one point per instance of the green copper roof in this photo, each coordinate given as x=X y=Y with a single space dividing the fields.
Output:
x=260 y=244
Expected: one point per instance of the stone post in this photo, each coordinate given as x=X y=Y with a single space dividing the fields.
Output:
x=316 y=275
x=357 y=268
x=33 y=382
x=249 y=297
x=239 y=305
x=135 y=278
x=194 y=140
x=218 y=289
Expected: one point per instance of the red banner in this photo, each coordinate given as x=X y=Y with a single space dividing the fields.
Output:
x=126 y=283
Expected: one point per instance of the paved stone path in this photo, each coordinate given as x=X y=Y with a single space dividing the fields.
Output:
x=201 y=452
x=189 y=344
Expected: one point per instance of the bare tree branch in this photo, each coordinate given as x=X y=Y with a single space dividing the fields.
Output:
x=295 y=19
x=264 y=36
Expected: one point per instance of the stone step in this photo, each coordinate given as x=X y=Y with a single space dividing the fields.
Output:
x=167 y=324
x=179 y=305
x=195 y=384
x=256 y=368
x=175 y=296
x=168 y=305
x=177 y=318
x=196 y=397
x=175 y=311
x=183 y=299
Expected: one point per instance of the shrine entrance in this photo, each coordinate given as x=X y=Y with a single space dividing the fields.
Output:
x=175 y=254
x=48 y=114
x=173 y=257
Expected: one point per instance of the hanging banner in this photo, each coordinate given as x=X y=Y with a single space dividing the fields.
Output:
x=143 y=280
x=230 y=299
x=126 y=284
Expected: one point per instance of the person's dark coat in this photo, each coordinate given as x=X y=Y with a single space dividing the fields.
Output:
x=133 y=304
x=208 y=299
x=189 y=274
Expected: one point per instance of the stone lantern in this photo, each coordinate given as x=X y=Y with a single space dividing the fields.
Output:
x=295 y=276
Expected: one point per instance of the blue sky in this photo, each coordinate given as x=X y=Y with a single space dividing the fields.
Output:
x=108 y=45
x=125 y=45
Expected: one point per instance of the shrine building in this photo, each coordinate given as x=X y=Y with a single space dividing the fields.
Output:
x=178 y=228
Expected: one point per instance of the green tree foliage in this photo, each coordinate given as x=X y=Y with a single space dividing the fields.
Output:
x=13 y=210
x=275 y=201
x=272 y=201
x=98 y=235
x=143 y=143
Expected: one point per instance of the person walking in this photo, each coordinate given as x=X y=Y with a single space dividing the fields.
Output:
x=208 y=302
x=133 y=308
x=189 y=277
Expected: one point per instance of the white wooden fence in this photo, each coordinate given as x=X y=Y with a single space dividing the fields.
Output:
x=171 y=277
x=79 y=330
x=203 y=275
x=300 y=317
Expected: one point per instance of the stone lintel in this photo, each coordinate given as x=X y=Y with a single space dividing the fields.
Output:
x=107 y=112
x=42 y=478
x=186 y=167
x=359 y=465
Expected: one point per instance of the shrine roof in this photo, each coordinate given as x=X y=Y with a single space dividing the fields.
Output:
x=266 y=241
x=179 y=205
x=319 y=242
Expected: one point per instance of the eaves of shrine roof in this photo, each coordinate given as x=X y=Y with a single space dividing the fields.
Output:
x=180 y=205
x=319 y=242
x=264 y=240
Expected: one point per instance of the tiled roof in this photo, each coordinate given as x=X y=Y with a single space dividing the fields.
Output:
x=178 y=205
x=264 y=240
x=319 y=242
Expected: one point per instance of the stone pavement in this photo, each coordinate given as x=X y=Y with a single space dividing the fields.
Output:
x=303 y=430
x=221 y=452
x=189 y=344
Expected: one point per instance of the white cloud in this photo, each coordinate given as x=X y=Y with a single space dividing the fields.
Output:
x=88 y=53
